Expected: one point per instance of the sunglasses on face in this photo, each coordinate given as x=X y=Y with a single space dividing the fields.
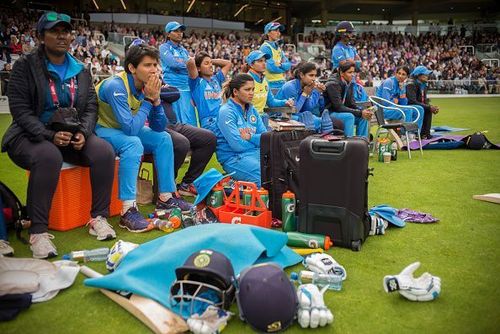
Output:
x=53 y=16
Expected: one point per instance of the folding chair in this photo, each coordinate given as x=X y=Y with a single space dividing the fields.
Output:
x=409 y=127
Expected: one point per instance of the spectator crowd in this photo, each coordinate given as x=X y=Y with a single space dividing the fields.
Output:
x=454 y=69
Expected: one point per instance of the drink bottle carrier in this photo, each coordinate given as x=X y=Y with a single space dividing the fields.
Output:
x=235 y=211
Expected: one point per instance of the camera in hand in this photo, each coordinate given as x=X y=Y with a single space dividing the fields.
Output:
x=65 y=119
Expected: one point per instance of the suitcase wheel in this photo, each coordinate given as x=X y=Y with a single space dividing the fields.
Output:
x=356 y=245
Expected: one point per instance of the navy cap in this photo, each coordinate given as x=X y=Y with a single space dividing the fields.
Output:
x=50 y=19
x=174 y=25
x=344 y=26
x=267 y=300
x=256 y=55
x=273 y=26
x=420 y=70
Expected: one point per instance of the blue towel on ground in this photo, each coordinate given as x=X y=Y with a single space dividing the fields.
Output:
x=149 y=270
x=388 y=213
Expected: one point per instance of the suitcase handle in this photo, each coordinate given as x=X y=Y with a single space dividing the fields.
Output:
x=323 y=147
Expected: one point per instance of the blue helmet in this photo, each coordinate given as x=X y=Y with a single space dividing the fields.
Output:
x=206 y=278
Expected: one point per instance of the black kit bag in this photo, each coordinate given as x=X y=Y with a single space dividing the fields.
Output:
x=334 y=189
x=279 y=165
x=15 y=214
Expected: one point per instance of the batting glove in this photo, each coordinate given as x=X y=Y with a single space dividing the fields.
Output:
x=212 y=321
x=424 y=288
x=312 y=311
x=322 y=263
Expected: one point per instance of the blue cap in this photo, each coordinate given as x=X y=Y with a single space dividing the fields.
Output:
x=51 y=19
x=174 y=25
x=256 y=55
x=273 y=26
x=420 y=70
x=205 y=182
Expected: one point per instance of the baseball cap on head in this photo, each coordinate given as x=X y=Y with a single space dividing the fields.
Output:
x=256 y=55
x=273 y=26
x=174 y=25
x=266 y=298
x=420 y=70
x=50 y=19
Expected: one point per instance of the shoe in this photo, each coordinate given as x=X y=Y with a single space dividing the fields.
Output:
x=187 y=189
x=174 y=202
x=100 y=228
x=133 y=221
x=41 y=246
x=5 y=248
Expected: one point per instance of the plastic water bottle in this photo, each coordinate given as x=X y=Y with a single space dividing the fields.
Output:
x=333 y=281
x=98 y=254
x=162 y=225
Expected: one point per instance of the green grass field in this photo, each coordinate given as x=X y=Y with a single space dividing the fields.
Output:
x=462 y=248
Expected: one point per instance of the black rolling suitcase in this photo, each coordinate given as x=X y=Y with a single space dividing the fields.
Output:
x=279 y=164
x=334 y=190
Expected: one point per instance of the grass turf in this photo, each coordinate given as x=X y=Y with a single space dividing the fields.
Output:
x=461 y=249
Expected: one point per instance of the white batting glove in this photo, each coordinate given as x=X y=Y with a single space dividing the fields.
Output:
x=312 y=311
x=422 y=289
x=378 y=225
x=212 y=321
x=322 y=263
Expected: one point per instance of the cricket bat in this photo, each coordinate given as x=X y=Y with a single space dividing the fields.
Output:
x=493 y=198
x=154 y=315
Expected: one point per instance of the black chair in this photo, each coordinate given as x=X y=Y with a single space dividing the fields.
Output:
x=409 y=127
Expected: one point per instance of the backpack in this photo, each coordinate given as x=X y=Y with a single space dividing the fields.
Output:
x=14 y=213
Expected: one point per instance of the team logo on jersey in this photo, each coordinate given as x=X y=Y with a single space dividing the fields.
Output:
x=253 y=118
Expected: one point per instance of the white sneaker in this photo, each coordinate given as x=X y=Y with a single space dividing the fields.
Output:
x=100 y=228
x=41 y=245
x=5 y=248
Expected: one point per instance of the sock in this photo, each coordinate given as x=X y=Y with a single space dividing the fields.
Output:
x=165 y=196
x=127 y=205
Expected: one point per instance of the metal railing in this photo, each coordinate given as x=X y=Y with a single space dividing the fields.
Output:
x=491 y=61
x=464 y=86
x=468 y=47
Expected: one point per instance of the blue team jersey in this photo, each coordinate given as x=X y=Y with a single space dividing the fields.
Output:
x=207 y=95
x=173 y=60
x=390 y=90
x=232 y=118
x=342 y=52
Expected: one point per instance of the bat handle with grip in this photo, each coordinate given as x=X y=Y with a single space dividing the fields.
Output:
x=89 y=272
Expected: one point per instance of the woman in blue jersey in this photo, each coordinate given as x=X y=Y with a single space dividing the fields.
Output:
x=206 y=87
x=239 y=130
x=277 y=63
x=173 y=57
x=393 y=89
x=343 y=51
x=306 y=92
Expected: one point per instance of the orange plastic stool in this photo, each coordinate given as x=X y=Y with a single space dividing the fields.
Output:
x=73 y=198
